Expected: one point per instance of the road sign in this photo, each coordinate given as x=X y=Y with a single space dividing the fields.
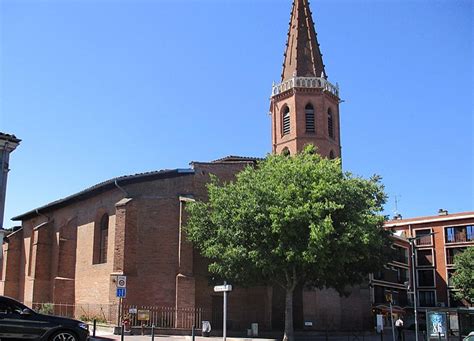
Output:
x=121 y=281
x=223 y=288
x=121 y=292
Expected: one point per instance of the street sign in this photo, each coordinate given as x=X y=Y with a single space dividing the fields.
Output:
x=223 y=288
x=121 y=281
x=121 y=292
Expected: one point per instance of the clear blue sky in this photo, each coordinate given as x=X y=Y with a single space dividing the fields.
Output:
x=103 y=88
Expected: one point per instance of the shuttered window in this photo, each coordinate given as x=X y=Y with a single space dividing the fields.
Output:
x=309 y=115
x=286 y=121
x=330 y=124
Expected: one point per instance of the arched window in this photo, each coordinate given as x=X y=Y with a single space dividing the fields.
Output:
x=103 y=241
x=330 y=124
x=331 y=155
x=286 y=121
x=309 y=115
x=285 y=152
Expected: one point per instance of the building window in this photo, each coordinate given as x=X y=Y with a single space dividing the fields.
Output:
x=285 y=152
x=425 y=237
x=330 y=124
x=103 y=239
x=426 y=298
x=450 y=277
x=309 y=115
x=451 y=253
x=286 y=121
x=101 y=236
x=426 y=278
x=401 y=254
x=453 y=301
x=424 y=257
x=459 y=234
x=331 y=155
x=402 y=275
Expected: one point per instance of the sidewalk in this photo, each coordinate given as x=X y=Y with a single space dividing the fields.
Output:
x=409 y=336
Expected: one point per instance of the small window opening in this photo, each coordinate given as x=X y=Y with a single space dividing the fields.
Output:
x=286 y=121
x=309 y=114
x=103 y=241
x=330 y=124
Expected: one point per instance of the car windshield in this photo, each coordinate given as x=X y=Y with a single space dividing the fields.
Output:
x=9 y=307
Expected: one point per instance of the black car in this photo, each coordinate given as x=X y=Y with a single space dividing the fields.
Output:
x=17 y=321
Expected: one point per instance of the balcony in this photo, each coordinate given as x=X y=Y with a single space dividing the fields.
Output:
x=305 y=82
x=425 y=240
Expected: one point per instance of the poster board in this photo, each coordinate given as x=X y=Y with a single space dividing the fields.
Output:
x=436 y=325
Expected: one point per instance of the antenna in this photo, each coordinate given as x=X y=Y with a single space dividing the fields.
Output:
x=396 y=214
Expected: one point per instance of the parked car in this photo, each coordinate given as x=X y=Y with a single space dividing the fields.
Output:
x=469 y=337
x=17 y=321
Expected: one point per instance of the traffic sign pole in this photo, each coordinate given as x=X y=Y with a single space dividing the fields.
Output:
x=225 y=289
x=224 y=323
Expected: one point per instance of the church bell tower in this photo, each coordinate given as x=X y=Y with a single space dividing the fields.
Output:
x=304 y=106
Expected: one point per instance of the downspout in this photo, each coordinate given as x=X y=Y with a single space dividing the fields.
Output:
x=121 y=189
x=48 y=219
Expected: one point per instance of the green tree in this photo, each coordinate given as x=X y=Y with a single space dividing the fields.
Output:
x=463 y=277
x=292 y=221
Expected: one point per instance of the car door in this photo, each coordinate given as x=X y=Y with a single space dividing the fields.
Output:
x=16 y=324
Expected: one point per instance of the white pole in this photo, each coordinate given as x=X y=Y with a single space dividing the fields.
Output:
x=224 y=323
x=412 y=243
x=391 y=318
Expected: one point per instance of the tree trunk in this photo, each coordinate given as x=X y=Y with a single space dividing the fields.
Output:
x=289 y=332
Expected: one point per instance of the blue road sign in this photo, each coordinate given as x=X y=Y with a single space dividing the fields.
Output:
x=121 y=292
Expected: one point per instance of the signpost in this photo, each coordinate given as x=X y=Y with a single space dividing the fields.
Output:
x=121 y=292
x=389 y=298
x=225 y=289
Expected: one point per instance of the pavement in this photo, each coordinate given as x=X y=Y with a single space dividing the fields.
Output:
x=366 y=336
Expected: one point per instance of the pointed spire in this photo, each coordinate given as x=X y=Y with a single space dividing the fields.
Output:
x=302 y=57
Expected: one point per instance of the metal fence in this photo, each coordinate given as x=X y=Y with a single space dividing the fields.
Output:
x=163 y=317
x=104 y=313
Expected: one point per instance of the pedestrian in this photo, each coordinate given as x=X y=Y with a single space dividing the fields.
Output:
x=399 y=326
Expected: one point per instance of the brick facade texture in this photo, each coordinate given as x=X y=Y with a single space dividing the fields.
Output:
x=53 y=258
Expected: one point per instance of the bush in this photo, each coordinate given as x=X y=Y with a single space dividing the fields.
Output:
x=91 y=318
x=46 y=308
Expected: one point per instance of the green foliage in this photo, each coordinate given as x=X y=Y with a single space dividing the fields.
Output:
x=463 y=278
x=292 y=220
x=91 y=318
x=46 y=308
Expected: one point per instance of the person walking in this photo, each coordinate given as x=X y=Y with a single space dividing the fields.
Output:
x=399 y=326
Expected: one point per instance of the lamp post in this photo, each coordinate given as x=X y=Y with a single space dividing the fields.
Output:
x=411 y=240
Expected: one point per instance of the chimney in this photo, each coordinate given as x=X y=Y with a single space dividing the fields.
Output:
x=442 y=211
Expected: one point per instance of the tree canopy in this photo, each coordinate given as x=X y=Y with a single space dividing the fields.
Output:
x=291 y=221
x=463 y=278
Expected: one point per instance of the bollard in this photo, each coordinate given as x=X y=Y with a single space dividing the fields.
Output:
x=94 y=327
x=153 y=332
x=381 y=335
x=439 y=336
x=193 y=334
x=122 y=332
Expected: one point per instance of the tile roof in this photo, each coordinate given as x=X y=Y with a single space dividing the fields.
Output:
x=103 y=187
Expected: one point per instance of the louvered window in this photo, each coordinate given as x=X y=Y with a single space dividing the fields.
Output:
x=330 y=124
x=286 y=121
x=309 y=114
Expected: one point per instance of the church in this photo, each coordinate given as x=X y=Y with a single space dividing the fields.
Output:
x=71 y=251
